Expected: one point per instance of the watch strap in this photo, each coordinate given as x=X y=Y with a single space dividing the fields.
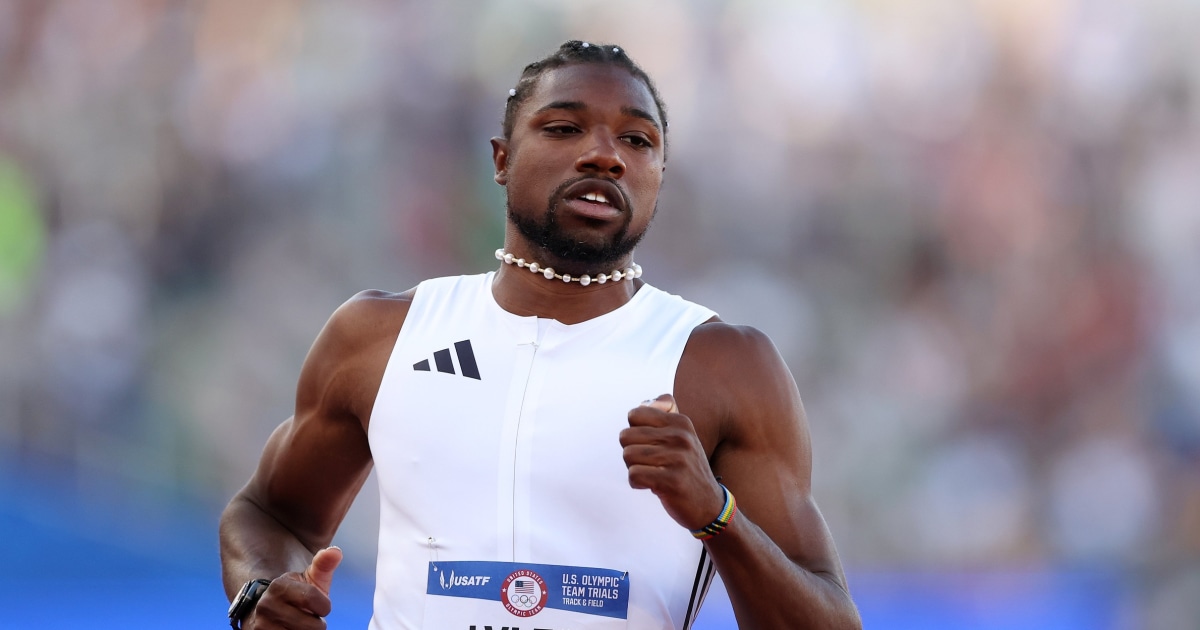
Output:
x=245 y=601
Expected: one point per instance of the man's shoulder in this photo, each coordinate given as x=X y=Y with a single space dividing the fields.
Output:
x=716 y=338
x=368 y=317
x=731 y=358
x=728 y=377
x=373 y=312
x=376 y=298
x=370 y=306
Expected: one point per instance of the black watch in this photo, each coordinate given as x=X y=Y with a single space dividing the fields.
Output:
x=245 y=601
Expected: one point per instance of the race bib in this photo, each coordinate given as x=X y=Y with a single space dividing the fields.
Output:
x=516 y=596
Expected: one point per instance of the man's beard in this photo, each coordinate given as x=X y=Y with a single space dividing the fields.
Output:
x=571 y=255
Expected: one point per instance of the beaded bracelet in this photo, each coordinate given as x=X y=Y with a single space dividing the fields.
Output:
x=722 y=520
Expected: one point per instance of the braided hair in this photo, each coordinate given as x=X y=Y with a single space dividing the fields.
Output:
x=576 y=51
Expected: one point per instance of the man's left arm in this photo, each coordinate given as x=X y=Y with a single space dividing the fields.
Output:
x=739 y=416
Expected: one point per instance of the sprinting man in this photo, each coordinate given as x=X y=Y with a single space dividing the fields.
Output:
x=558 y=443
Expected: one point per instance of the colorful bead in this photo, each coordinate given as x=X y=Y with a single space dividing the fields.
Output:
x=723 y=519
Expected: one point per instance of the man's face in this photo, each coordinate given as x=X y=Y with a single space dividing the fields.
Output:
x=583 y=166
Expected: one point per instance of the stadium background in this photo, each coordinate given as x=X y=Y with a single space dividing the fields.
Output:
x=972 y=227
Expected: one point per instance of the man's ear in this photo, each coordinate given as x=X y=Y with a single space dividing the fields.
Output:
x=500 y=159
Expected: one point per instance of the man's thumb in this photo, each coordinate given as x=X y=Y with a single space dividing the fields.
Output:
x=320 y=572
x=665 y=402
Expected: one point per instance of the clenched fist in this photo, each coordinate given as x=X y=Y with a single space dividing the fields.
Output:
x=664 y=455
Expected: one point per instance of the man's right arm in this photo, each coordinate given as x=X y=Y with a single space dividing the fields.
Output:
x=311 y=468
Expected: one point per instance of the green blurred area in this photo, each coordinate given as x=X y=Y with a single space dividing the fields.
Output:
x=22 y=235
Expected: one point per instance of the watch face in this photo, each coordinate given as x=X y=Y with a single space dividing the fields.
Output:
x=247 y=598
x=237 y=601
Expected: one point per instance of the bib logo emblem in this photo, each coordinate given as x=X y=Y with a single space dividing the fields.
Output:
x=462 y=580
x=524 y=593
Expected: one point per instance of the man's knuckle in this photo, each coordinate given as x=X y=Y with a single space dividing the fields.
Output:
x=639 y=476
x=676 y=439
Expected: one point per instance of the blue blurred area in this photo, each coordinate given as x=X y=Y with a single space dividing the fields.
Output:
x=1048 y=599
x=101 y=560
x=106 y=559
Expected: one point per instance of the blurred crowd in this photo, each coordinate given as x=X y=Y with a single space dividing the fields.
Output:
x=972 y=228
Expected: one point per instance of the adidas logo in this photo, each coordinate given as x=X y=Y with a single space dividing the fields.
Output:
x=441 y=360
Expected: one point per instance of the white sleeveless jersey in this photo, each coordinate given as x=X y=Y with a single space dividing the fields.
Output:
x=495 y=438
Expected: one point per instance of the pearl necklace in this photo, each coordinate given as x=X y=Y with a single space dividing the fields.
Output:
x=628 y=273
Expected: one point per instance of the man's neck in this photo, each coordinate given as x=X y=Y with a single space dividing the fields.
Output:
x=523 y=293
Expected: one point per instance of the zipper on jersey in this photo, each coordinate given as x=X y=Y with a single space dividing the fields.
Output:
x=516 y=446
x=509 y=483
